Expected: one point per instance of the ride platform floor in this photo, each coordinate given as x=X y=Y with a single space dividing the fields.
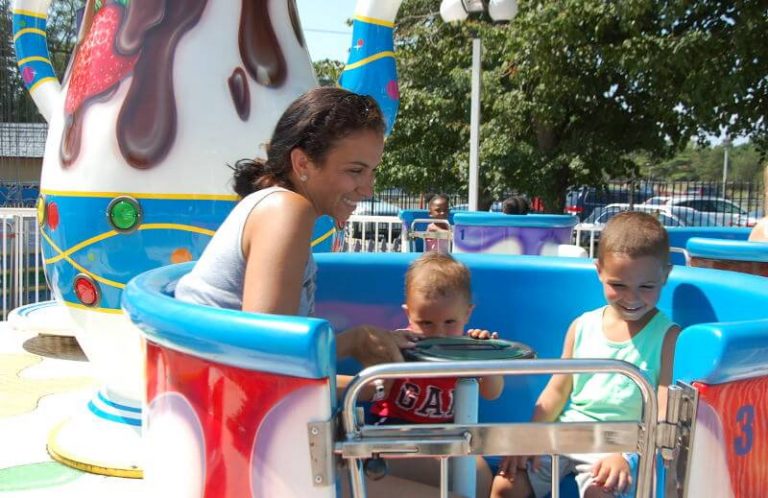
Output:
x=44 y=379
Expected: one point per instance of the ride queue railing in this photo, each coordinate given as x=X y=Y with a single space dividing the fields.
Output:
x=21 y=261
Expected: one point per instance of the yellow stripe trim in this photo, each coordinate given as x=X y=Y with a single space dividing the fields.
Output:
x=373 y=20
x=368 y=60
x=110 y=311
x=60 y=455
x=323 y=237
x=28 y=31
x=33 y=59
x=41 y=81
x=77 y=247
x=69 y=260
x=30 y=13
x=106 y=235
x=207 y=197
x=177 y=226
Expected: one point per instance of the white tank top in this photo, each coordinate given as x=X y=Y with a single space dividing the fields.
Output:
x=217 y=278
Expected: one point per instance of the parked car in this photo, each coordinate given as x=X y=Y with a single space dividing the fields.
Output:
x=669 y=216
x=583 y=201
x=722 y=211
x=375 y=207
x=495 y=207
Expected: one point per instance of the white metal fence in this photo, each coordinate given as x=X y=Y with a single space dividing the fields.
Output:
x=366 y=233
x=23 y=280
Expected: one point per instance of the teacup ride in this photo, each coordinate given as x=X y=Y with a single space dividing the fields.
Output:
x=243 y=402
x=45 y=318
x=679 y=236
x=414 y=229
x=157 y=100
x=495 y=233
x=731 y=255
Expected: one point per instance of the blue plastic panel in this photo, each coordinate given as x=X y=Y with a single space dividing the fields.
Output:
x=289 y=345
x=735 y=250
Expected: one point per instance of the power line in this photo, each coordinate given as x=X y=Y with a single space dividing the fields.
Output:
x=328 y=31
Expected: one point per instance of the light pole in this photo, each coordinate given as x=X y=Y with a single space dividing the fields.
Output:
x=726 y=146
x=459 y=10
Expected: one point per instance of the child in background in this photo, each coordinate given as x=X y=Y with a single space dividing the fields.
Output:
x=438 y=303
x=517 y=204
x=633 y=265
x=438 y=209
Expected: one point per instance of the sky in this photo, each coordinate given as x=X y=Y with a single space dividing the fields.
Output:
x=325 y=28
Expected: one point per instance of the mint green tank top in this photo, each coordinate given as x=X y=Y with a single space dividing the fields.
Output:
x=610 y=397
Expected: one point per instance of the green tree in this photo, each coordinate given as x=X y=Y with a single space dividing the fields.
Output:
x=705 y=163
x=573 y=91
x=328 y=71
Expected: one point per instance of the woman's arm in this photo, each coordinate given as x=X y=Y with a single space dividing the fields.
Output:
x=373 y=345
x=275 y=245
x=759 y=232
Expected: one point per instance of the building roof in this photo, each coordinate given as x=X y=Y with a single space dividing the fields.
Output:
x=22 y=139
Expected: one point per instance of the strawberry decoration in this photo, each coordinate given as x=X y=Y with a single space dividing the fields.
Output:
x=97 y=67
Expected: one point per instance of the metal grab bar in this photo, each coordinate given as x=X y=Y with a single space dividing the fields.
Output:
x=457 y=440
x=425 y=235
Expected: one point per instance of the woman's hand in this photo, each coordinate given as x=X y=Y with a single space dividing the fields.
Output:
x=482 y=334
x=373 y=345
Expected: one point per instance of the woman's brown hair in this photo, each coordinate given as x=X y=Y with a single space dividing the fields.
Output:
x=314 y=123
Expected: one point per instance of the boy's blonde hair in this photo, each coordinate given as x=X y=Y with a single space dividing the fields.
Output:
x=436 y=274
x=635 y=234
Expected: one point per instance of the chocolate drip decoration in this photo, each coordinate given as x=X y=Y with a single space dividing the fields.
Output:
x=259 y=47
x=141 y=16
x=295 y=23
x=241 y=94
x=146 y=125
x=71 y=138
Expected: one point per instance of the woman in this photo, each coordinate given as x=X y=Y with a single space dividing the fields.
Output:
x=759 y=232
x=321 y=160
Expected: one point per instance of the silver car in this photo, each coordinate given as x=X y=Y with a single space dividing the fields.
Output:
x=669 y=216
x=722 y=212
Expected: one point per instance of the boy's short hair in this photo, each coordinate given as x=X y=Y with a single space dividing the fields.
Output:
x=436 y=274
x=635 y=234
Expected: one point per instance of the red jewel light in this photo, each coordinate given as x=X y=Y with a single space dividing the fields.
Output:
x=86 y=290
x=52 y=215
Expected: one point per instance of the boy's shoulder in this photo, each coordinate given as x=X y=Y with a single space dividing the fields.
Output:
x=593 y=314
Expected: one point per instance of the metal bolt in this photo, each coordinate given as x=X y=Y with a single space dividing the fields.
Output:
x=315 y=431
x=318 y=479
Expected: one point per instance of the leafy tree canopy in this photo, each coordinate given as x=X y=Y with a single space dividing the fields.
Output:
x=574 y=91
x=15 y=102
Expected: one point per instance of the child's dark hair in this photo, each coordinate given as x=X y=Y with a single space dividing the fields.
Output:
x=437 y=197
x=314 y=122
x=635 y=234
x=516 y=204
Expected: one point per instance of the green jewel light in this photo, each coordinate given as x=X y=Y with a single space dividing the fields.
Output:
x=124 y=214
